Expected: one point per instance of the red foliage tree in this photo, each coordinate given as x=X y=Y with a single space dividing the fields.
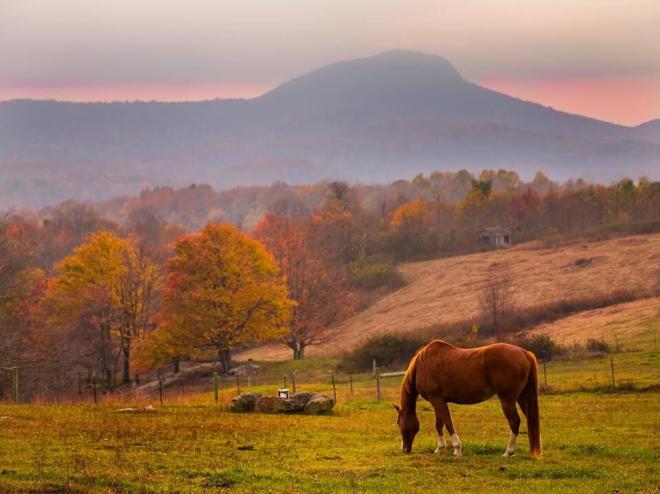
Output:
x=309 y=255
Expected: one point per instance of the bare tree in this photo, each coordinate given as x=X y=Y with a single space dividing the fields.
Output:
x=497 y=299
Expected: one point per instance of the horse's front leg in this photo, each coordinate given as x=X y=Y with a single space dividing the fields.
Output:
x=442 y=411
x=439 y=425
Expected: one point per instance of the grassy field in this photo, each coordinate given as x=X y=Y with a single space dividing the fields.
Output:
x=593 y=443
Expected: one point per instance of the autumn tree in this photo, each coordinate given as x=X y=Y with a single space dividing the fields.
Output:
x=16 y=277
x=413 y=231
x=308 y=255
x=497 y=299
x=15 y=261
x=138 y=290
x=106 y=291
x=223 y=289
x=67 y=226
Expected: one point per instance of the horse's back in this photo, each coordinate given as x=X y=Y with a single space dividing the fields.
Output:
x=508 y=367
x=471 y=375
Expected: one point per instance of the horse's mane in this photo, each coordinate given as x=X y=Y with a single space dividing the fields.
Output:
x=408 y=388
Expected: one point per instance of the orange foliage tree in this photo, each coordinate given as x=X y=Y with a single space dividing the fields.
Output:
x=223 y=289
x=309 y=252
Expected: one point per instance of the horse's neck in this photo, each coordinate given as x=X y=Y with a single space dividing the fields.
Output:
x=409 y=394
x=409 y=401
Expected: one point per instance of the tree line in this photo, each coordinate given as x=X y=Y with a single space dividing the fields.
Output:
x=83 y=293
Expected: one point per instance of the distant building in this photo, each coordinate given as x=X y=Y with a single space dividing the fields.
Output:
x=494 y=237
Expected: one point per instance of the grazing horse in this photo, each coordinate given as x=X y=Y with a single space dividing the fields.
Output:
x=443 y=373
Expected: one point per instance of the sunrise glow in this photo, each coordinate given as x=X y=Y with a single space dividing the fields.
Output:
x=623 y=100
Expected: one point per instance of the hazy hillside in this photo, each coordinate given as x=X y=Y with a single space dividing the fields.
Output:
x=447 y=290
x=629 y=323
x=374 y=119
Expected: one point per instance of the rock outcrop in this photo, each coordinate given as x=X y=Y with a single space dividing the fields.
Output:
x=308 y=403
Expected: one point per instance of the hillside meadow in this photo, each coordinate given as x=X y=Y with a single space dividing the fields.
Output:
x=446 y=291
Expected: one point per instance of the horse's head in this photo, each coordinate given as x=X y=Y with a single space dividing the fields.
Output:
x=409 y=426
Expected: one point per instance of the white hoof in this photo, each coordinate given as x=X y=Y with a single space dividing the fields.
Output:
x=509 y=454
x=456 y=443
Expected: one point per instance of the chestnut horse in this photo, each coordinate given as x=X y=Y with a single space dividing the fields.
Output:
x=443 y=373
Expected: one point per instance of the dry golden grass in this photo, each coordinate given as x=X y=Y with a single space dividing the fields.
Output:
x=447 y=290
x=630 y=324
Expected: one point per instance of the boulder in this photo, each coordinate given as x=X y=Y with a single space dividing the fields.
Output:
x=319 y=404
x=273 y=404
x=300 y=400
x=245 y=402
x=309 y=403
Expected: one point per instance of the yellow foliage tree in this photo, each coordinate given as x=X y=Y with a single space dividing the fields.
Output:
x=223 y=289
x=414 y=229
x=108 y=288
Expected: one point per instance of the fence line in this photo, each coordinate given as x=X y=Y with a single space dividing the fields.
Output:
x=616 y=372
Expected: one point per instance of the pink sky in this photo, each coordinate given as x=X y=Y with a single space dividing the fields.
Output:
x=599 y=58
x=623 y=100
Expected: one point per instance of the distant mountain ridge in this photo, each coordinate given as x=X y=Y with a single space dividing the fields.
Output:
x=374 y=119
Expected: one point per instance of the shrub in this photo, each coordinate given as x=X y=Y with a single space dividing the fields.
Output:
x=388 y=350
x=541 y=345
x=371 y=274
x=597 y=346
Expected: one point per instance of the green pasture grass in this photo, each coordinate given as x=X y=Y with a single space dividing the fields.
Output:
x=632 y=370
x=593 y=443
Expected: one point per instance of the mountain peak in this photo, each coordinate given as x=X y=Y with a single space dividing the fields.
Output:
x=382 y=76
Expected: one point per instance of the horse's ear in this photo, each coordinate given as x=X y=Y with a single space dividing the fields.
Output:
x=396 y=407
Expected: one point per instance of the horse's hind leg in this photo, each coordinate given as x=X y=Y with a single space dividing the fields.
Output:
x=441 y=436
x=442 y=411
x=511 y=413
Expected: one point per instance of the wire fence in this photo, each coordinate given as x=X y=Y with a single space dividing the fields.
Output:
x=615 y=372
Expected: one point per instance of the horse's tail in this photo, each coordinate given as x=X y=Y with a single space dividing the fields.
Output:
x=530 y=398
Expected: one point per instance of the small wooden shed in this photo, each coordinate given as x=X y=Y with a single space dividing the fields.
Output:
x=494 y=237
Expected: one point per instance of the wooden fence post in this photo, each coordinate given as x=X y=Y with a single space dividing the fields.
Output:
x=293 y=381
x=215 y=387
x=334 y=387
x=612 y=369
x=96 y=399
x=284 y=381
x=160 y=389
x=350 y=384
x=377 y=385
x=545 y=375
x=373 y=366
x=14 y=383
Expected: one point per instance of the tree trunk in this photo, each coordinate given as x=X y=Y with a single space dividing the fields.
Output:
x=108 y=379
x=176 y=365
x=298 y=351
x=126 y=376
x=225 y=360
